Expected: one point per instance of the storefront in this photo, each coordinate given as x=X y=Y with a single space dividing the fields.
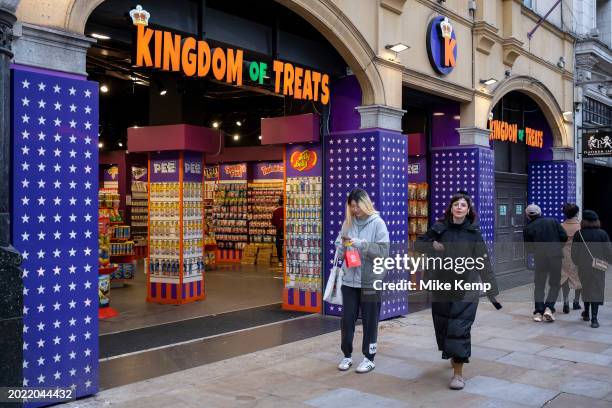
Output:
x=315 y=108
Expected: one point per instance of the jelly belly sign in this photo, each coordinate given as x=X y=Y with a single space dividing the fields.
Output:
x=236 y=171
x=164 y=167
x=169 y=51
x=303 y=160
x=507 y=132
x=192 y=167
x=442 y=45
x=269 y=171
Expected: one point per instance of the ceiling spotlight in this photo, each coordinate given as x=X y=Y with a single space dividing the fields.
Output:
x=104 y=89
x=236 y=137
x=100 y=145
x=162 y=89
x=100 y=36
x=489 y=81
x=438 y=113
x=457 y=117
x=397 y=48
x=259 y=137
x=215 y=125
x=238 y=123
x=120 y=144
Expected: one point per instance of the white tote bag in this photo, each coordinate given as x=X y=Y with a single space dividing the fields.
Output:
x=333 y=289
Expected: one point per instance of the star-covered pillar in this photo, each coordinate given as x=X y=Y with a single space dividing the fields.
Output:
x=552 y=183
x=366 y=149
x=468 y=167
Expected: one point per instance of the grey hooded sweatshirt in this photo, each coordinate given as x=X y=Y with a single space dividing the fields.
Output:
x=372 y=241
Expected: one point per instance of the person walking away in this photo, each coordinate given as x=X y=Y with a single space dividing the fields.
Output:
x=569 y=272
x=457 y=235
x=544 y=238
x=591 y=244
x=365 y=231
x=278 y=221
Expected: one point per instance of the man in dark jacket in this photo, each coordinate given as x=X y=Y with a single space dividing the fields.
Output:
x=278 y=221
x=544 y=238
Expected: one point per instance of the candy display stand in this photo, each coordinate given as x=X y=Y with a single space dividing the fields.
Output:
x=303 y=247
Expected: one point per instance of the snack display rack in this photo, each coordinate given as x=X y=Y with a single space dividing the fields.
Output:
x=303 y=246
x=176 y=228
x=418 y=211
x=105 y=269
x=418 y=219
x=139 y=209
x=230 y=220
x=263 y=199
x=211 y=175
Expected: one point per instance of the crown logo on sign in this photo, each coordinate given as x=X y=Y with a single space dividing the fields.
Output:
x=447 y=28
x=140 y=16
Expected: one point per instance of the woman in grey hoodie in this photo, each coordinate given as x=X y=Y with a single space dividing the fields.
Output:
x=363 y=230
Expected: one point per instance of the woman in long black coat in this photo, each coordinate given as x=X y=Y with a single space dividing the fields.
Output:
x=591 y=238
x=457 y=235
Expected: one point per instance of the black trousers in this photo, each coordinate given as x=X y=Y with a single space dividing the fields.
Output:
x=280 y=238
x=368 y=300
x=546 y=269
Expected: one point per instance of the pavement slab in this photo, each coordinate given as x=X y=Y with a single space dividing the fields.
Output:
x=515 y=363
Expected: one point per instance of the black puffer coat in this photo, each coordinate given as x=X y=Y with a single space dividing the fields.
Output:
x=593 y=280
x=454 y=312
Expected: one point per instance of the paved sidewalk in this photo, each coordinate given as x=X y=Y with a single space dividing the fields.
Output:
x=515 y=363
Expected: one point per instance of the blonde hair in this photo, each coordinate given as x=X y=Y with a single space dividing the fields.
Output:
x=363 y=201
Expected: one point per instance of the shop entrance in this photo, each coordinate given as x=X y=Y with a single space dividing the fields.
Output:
x=171 y=214
x=514 y=148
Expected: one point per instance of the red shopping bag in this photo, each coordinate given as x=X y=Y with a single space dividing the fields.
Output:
x=351 y=256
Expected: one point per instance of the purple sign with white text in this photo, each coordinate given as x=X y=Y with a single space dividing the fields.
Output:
x=192 y=167
x=164 y=167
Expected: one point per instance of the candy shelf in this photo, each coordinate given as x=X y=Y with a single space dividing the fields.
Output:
x=263 y=199
x=176 y=258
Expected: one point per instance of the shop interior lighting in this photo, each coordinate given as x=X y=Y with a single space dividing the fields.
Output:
x=489 y=81
x=120 y=144
x=438 y=113
x=162 y=89
x=100 y=36
x=397 y=48
x=238 y=123
x=259 y=137
x=236 y=137
x=457 y=117
x=163 y=92
x=100 y=145
x=104 y=88
x=215 y=125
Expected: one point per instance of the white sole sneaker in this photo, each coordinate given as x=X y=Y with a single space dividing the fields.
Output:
x=537 y=317
x=549 y=316
x=365 y=367
x=345 y=365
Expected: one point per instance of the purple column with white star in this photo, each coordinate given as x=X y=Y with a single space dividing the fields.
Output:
x=469 y=169
x=55 y=226
x=376 y=161
x=552 y=184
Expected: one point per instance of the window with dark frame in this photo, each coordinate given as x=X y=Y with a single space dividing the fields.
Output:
x=596 y=113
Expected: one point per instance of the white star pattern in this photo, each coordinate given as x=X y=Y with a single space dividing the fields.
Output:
x=54 y=105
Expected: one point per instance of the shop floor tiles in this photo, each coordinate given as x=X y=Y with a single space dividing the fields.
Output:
x=228 y=288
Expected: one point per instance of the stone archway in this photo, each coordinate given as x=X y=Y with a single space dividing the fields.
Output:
x=544 y=99
x=322 y=14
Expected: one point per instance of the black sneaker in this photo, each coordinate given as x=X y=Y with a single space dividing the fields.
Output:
x=576 y=306
x=585 y=316
x=594 y=323
x=566 y=307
